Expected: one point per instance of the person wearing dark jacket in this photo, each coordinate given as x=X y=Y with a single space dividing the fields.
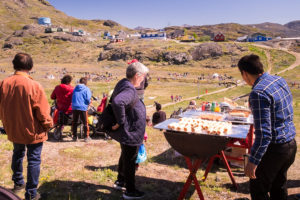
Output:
x=158 y=116
x=130 y=114
x=81 y=100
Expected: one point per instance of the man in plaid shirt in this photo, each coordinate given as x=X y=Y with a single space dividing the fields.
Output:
x=274 y=148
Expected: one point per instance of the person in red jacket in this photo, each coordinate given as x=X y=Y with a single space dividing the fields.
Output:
x=63 y=96
x=103 y=103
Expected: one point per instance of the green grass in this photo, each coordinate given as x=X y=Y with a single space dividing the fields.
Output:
x=281 y=60
x=103 y=175
x=261 y=53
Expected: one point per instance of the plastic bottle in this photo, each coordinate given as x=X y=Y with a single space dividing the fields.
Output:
x=213 y=106
x=207 y=106
x=203 y=106
x=217 y=109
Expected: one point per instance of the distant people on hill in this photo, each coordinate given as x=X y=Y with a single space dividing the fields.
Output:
x=172 y=97
x=81 y=100
x=25 y=114
x=159 y=115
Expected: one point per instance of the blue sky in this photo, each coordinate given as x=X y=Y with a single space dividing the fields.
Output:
x=162 y=13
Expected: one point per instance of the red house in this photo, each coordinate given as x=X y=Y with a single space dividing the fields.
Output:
x=219 y=37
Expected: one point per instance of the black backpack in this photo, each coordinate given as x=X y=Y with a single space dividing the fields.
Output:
x=8 y=195
x=107 y=118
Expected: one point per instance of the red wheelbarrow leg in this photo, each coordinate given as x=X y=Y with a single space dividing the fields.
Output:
x=192 y=177
x=228 y=169
x=209 y=165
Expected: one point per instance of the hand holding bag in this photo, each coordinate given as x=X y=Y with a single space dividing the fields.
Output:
x=142 y=155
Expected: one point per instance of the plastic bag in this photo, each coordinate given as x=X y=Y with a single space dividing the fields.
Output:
x=142 y=155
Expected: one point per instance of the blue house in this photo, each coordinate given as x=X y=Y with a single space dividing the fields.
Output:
x=106 y=34
x=44 y=21
x=258 y=37
x=159 y=36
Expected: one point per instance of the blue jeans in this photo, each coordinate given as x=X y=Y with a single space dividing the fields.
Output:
x=33 y=169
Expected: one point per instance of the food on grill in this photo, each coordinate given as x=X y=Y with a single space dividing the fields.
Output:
x=201 y=126
x=240 y=113
x=212 y=117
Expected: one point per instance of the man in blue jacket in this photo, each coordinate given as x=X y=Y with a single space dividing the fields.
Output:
x=81 y=100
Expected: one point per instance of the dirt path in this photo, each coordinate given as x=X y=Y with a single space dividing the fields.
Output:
x=297 y=55
x=295 y=64
x=152 y=109
x=269 y=60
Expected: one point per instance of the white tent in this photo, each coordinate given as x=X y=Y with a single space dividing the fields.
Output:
x=215 y=75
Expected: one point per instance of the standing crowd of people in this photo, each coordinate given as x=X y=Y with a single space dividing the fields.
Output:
x=25 y=114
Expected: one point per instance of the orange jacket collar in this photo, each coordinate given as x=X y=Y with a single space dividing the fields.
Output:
x=23 y=74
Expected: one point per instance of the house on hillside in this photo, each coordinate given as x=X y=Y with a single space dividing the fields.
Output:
x=187 y=38
x=44 y=21
x=106 y=35
x=121 y=35
x=242 y=39
x=176 y=34
x=62 y=29
x=117 y=40
x=50 y=30
x=219 y=37
x=157 y=36
x=134 y=35
x=79 y=33
x=258 y=37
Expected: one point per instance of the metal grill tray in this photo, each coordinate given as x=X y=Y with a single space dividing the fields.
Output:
x=238 y=131
x=226 y=117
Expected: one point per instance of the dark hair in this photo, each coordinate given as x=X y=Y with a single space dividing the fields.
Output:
x=83 y=80
x=66 y=79
x=22 y=61
x=251 y=64
x=158 y=106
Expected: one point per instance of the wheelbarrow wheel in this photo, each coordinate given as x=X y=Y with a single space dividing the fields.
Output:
x=92 y=130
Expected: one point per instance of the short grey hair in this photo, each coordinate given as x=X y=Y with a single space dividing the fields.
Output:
x=136 y=68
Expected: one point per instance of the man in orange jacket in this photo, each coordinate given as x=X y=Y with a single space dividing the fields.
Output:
x=25 y=114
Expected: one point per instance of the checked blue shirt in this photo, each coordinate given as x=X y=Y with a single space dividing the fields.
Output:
x=271 y=103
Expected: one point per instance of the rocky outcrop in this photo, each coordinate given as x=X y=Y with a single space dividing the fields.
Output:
x=11 y=42
x=177 y=58
x=71 y=38
x=207 y=50
x=46 y=3
x=29 y=30
x=110 y=23
x=127 y=53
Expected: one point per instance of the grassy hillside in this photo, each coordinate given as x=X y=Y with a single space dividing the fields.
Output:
x=22 y=12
